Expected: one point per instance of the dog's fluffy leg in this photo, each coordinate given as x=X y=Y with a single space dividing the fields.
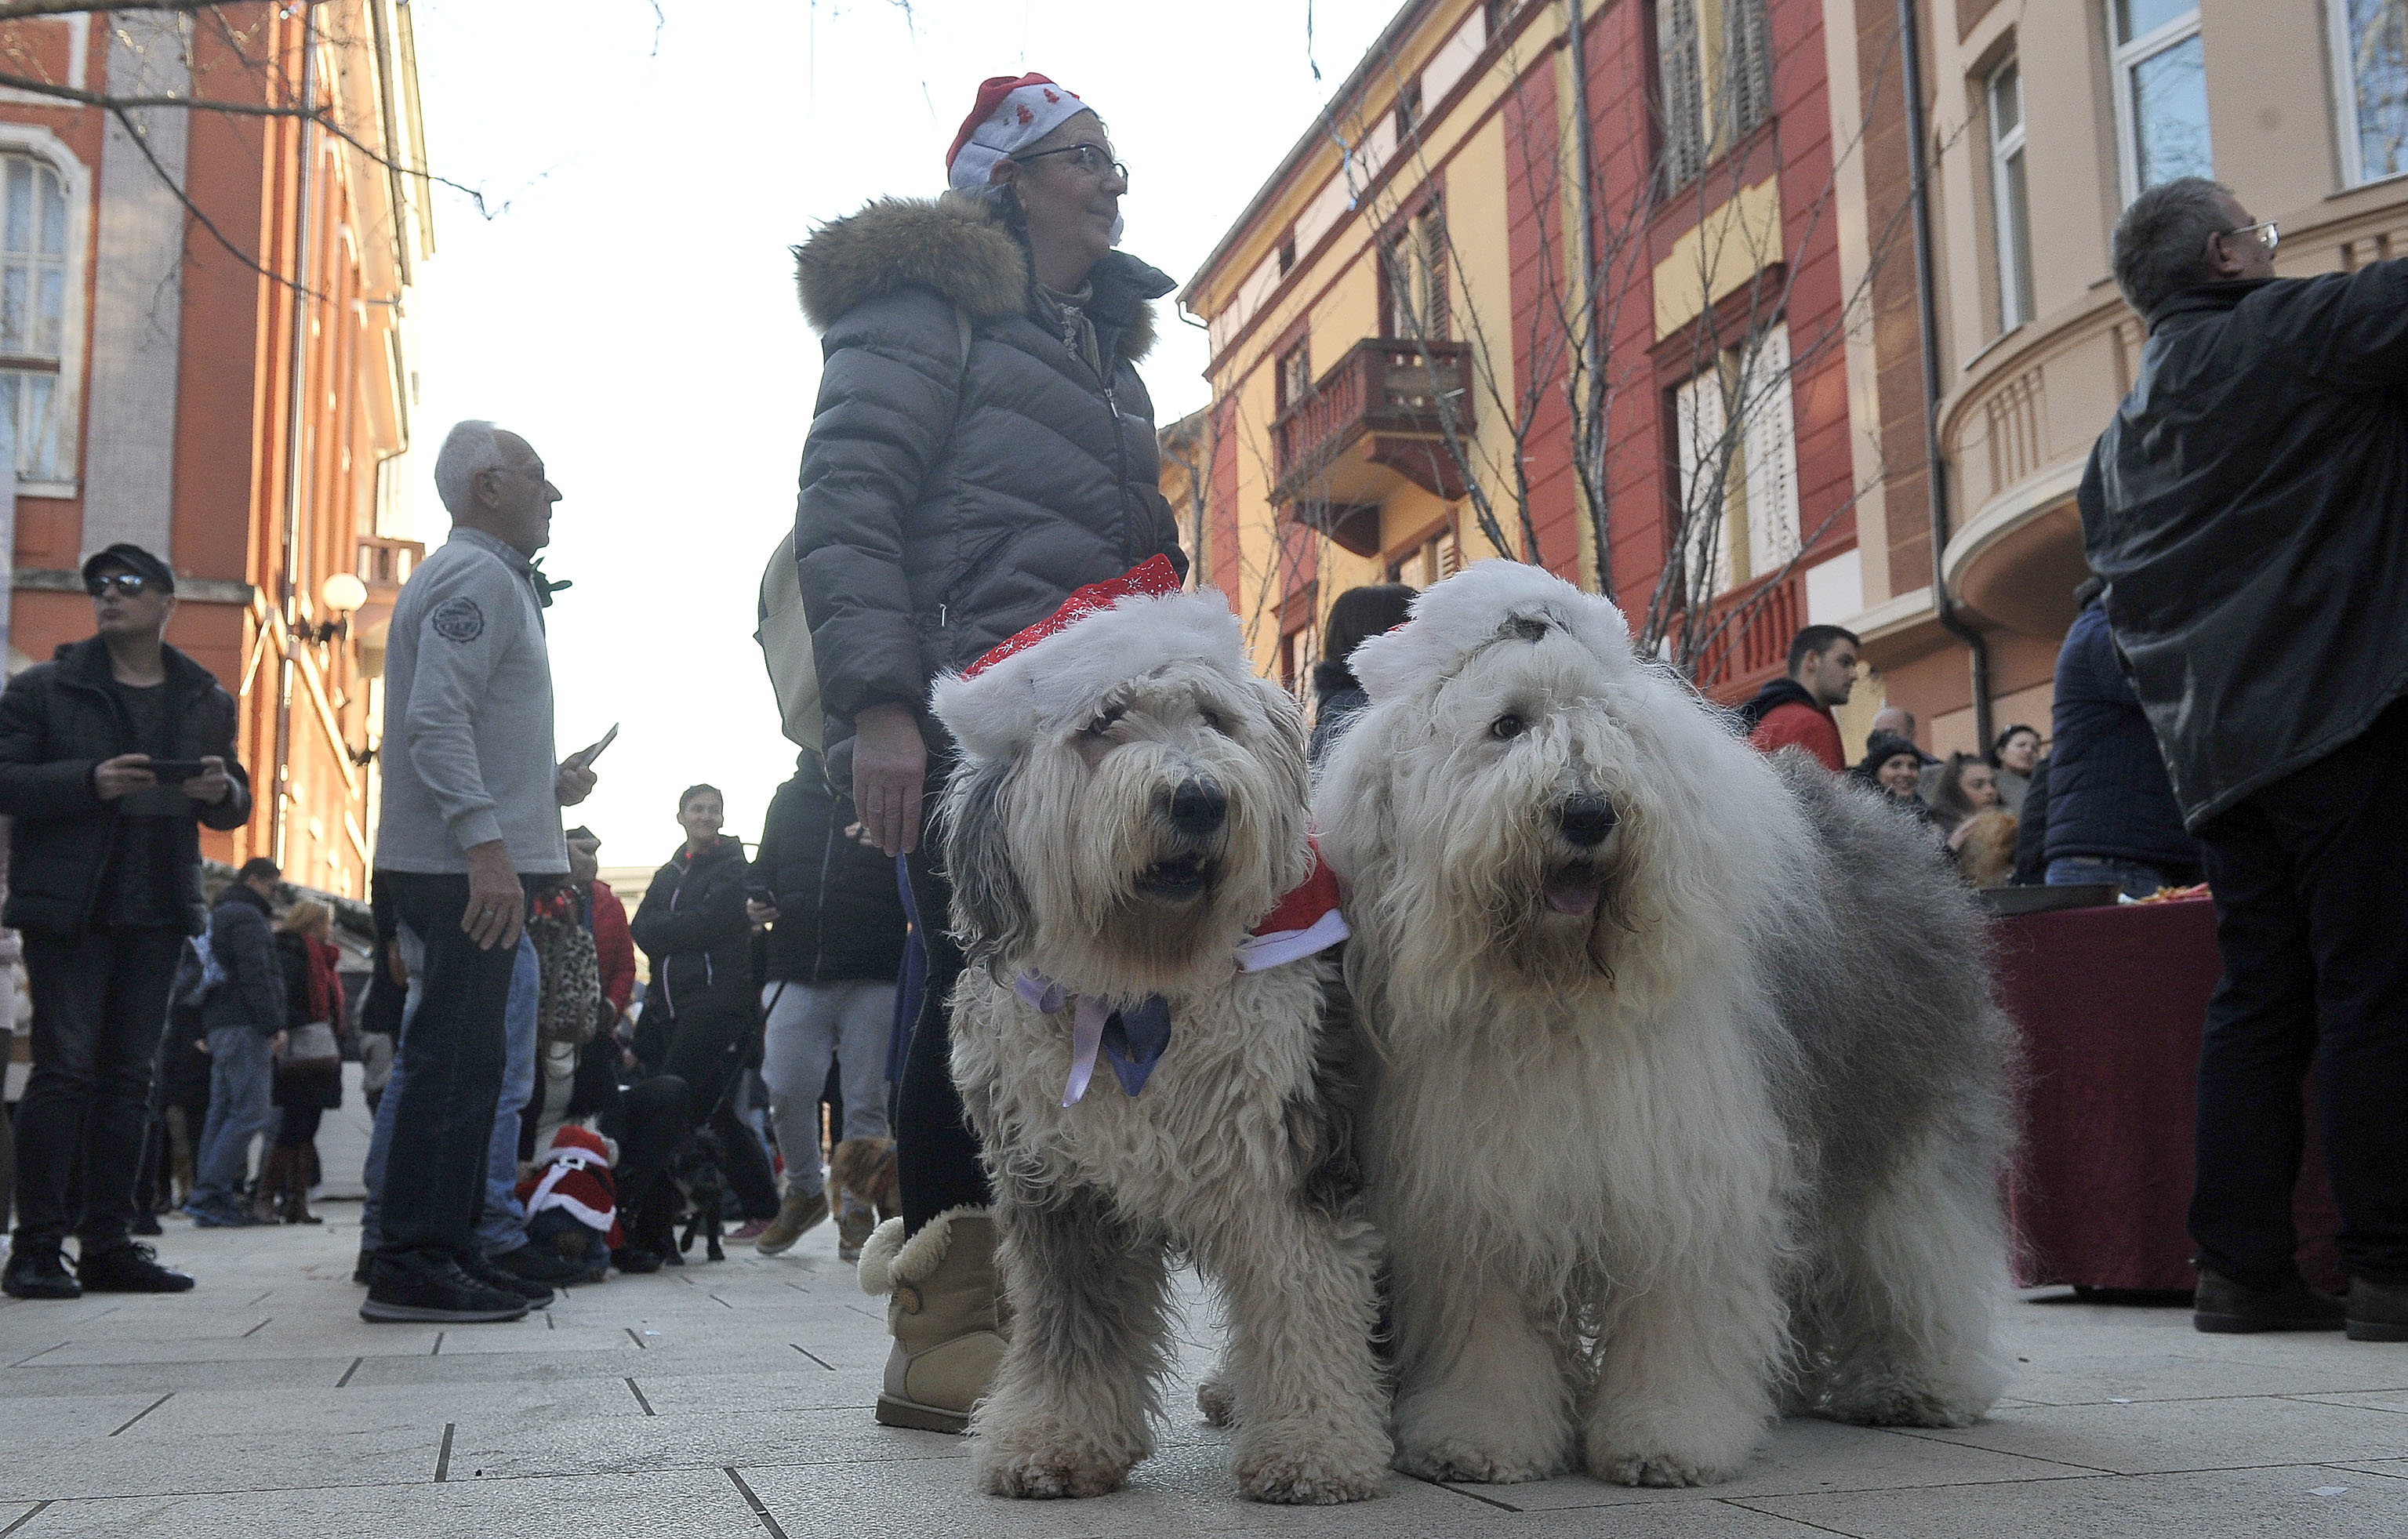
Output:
x=1685 y=1384
x=1302 y=1310
x=1216 y=1399
x=1485 y=1392
x=1074 y=1399
x=1905 y=1299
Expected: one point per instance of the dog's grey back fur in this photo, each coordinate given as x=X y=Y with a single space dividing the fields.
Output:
x=1886 y=994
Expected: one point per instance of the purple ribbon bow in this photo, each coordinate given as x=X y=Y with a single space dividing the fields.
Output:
x=1131 y=1038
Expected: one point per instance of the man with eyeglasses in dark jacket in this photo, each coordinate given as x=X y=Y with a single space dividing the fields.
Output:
x=105 y=883
x=2249 y=509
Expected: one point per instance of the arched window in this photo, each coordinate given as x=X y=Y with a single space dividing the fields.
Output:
x=33 y=309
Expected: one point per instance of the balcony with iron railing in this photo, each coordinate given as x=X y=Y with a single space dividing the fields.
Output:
x=1390 y=411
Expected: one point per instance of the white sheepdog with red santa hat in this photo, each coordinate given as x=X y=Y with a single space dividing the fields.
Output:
x=1693 y=1103
x=1137 y=893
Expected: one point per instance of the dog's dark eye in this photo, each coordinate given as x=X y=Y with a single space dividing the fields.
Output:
x=1107 y=721
x=1213 y=720
x=1506 y=727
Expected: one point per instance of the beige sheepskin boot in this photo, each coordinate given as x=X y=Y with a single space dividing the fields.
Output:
x=943 y=1310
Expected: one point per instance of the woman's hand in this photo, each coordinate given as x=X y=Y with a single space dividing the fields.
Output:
x=889 y=764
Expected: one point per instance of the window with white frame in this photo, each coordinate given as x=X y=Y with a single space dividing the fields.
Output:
x=2160 y=65
x=1737 y=454
x=2370 y=74
x=2010 y=211
x=1714 y=66
x=33 y=307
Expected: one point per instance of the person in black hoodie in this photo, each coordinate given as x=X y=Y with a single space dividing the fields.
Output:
x=1355 y=617
x=104 y=882
x=692 y=926
x=835 y=946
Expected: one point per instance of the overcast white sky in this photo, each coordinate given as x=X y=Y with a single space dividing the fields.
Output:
x=632 y=308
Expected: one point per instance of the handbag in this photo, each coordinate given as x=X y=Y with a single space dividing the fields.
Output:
x=309 y=1050
x=568 y=1002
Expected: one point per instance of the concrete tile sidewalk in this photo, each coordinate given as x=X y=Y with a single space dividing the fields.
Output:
x=734 y=1400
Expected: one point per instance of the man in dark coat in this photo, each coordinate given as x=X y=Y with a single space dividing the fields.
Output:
x=2249 y=507
x=105 y=884
x=2109 y=814
x=243 y=1015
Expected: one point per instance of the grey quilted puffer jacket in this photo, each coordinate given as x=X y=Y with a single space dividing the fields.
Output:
x=950 y=501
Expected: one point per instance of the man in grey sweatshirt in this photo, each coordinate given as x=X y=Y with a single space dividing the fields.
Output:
x=472 y=800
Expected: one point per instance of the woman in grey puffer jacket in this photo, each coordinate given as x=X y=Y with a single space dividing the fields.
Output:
x=982 y=448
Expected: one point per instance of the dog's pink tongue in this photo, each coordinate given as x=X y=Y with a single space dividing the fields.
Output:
x=1567 y=896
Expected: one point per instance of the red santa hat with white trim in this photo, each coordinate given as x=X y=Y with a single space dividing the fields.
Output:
x=1049 y=676
x=574 y=1174
x=1011 y=113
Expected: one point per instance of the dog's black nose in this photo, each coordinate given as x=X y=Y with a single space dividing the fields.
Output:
x=1199 y=805
x=1587 y=820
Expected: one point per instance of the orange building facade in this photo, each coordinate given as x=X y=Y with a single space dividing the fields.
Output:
x=203 y=323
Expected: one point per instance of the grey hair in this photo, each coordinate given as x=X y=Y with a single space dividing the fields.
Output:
x=2160 y=245
x=470 y=446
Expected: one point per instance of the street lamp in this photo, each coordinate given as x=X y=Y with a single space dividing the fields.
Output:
x=341 y=594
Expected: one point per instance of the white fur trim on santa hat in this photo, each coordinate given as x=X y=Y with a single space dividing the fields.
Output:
x=1463 y=614
x=1058 y=683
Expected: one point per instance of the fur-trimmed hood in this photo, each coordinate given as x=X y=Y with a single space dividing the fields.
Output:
x=1044 y=689
x=956 y=246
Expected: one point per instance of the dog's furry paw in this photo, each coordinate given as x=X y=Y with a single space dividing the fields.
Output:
x=1048 y=1473
x=1681 y=1456
x=1898 y=1408
x=1295 y=1473
x=1217 y=1402
x=1454 y=1459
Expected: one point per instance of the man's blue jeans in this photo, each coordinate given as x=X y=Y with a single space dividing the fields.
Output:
x=242 y=1077
x=504 y=1225
x=2137 y=880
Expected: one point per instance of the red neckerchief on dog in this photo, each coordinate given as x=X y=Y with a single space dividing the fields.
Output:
x=1132 y=1038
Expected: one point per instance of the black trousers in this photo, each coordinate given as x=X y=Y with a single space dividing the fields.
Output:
x=2314 y=929
x=435 y=1173
x=100 y=1008
x=936 y=1154
x=706 y=1047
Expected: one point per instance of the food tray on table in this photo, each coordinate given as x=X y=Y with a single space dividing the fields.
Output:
x=2042 y=900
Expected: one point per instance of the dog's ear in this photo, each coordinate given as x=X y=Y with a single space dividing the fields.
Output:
x=991 y=915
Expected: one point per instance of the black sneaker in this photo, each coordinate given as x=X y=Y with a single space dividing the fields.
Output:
x=537 y=1264
x=146 y=1225
x=129 y=1268
x=2377 y=1311
x=2222 y=1306
x=634 y=1259
x=366 y=1266
x=431 y=1290
x=480 y=1269
x=39 y=1273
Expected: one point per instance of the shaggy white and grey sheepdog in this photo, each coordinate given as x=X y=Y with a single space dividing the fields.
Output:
x=1696 y=1099
x=1129 y=805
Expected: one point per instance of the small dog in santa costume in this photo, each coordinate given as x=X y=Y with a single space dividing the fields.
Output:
x=572 y=1203
x=1136 y=891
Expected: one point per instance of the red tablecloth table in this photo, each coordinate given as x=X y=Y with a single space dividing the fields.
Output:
x=2111 y=1002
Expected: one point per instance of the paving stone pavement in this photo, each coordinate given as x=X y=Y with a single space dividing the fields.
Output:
x=733 y=1399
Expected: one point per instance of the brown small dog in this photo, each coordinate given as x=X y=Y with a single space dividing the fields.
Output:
x=864 y=1170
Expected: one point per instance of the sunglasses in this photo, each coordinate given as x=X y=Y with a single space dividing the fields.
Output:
x=2269 y=235
x=131 y=584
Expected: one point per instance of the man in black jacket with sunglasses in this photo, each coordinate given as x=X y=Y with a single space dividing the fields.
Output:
x=105 y=883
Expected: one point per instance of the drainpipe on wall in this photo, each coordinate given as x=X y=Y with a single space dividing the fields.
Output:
x=300 y=359
x=1936 y=470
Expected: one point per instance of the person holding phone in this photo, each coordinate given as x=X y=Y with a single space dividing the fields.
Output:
x=471 y=812
x=113 y=756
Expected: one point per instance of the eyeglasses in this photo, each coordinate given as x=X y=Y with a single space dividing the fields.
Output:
x=2269 y=237
x=1093 y=159
x=131 y=584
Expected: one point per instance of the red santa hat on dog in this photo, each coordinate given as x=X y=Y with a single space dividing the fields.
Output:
x=1038 y=681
